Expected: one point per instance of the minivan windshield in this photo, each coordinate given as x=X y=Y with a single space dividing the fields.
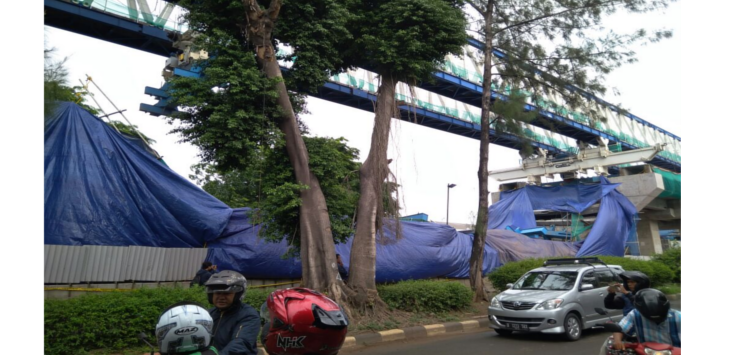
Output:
x=547 y=280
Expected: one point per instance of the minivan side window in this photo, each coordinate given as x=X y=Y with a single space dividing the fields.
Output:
x=589 y=278
x=607 y=278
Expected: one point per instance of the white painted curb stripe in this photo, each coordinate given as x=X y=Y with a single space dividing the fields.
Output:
x=393 y=334
x=434 y=329
x=470 y=324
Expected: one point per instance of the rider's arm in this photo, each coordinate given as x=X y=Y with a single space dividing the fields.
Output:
x=612 y=301
x=618 y=343
x=627 y=327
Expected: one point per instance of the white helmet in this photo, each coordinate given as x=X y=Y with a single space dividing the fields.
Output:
x=184 y=328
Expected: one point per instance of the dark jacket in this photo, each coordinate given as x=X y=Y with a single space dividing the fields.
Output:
x=342 y=271
x=626 y=301
x=204 y=276
x=235 y=329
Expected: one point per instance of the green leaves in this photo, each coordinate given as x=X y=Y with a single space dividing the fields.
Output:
x=672 y=258
x=268 y=185
x=406 y=39
x=554 y=47
x=426 y=296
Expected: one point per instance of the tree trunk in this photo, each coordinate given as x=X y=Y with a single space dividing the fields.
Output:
x=372 y=175
x=480 y=232
x=319 y=269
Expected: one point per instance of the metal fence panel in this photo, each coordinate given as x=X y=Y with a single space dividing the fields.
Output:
x=100 y=263
x=105 y=263
x=145 y=264
x=182 y=263
x=63 y=264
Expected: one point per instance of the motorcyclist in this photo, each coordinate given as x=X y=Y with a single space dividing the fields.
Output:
x=235 y=324
x=185 y=328
x=302 y=321
x=622 y=296
x=652 y=320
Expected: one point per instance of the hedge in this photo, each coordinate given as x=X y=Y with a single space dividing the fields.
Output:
x=672 y=258
x=658 y=272
x=426 y=296
x=112 y=320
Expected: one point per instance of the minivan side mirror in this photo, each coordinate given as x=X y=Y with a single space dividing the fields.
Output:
x=509 y=286
x=586 y=287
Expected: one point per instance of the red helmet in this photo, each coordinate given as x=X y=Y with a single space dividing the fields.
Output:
x=302 y=322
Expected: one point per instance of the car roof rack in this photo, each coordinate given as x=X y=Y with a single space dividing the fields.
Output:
x=573 y=261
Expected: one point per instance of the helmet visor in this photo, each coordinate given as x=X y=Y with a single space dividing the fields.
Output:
x=223 y=288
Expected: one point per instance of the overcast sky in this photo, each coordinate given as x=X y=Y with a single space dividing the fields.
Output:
x=426 y=160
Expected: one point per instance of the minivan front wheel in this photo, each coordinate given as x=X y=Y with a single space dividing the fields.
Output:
x=573 y=327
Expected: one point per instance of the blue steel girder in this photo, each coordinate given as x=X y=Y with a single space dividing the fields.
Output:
x=122 y=31
x=447 y=85
x=364 y=100
x=107 y=27
x=480 y=45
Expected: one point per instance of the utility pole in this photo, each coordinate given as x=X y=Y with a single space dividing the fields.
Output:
x=448 y=189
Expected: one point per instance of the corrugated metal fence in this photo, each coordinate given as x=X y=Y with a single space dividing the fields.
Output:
x=66 y=264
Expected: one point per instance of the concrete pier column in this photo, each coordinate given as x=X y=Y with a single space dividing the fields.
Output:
x=647 y=231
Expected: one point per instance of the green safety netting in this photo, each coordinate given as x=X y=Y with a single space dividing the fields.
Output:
x=672 y=184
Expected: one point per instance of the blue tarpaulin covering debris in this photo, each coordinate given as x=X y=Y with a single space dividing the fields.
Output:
x=612 y=228
x=425 y=250
x=103 y=188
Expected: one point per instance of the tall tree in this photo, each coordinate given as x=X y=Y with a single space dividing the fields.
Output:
x=403 y=41
x=553 y=47
x=242 y=105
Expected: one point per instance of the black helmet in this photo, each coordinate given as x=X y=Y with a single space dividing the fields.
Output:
x=642 y=281
x=652 y=304
x=226 y=281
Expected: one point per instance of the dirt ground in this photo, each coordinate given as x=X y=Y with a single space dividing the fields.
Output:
x=399 y=319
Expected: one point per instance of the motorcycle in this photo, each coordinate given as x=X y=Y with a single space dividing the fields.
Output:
x=633 y=347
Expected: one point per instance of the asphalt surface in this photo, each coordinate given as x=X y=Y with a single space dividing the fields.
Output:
x=486 y=341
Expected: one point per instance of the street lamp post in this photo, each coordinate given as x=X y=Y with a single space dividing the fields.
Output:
x=448 y=188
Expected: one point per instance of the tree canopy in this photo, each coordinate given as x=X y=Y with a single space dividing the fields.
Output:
x=267 y=185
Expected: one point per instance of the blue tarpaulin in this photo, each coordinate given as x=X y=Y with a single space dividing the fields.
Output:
x=425 y=250
x=614 y=222
x=512 y=246
x=102 y=188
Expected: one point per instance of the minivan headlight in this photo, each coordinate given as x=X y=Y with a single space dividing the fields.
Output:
x=495 y=303
x=549 y=304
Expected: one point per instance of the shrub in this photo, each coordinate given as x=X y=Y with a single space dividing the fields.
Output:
x=426 y=296
x=511 y=272
x=673 y=259
x=658 y=273
x=112 y=320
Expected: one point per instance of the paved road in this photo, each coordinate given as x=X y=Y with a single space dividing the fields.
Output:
x=485 y=341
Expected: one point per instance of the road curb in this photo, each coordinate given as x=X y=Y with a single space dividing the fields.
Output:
x=420 y=331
